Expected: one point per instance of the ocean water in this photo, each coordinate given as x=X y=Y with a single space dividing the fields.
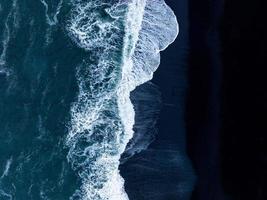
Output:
x=67 y=69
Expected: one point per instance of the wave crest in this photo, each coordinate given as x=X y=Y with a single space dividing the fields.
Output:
x=122 y=41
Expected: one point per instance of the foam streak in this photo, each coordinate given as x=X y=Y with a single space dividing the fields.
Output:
x=51 y=20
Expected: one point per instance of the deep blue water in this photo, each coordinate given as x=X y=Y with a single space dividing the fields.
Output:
x=37 y=87
x=67 y=69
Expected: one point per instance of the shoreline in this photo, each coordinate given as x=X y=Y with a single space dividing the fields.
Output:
x=164 y=171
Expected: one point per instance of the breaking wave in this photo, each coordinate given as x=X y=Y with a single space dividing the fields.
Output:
x=122 y=42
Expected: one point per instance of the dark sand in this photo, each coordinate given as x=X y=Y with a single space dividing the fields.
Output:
x=163 y=171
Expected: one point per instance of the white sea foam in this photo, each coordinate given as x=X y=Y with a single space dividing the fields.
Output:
x=51 y=19
x=7 y=166
x=123 y=40
x=6 y=39
x=5 y=195
x=13 y=14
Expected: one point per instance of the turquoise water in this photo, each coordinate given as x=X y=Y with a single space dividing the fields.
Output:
x=66 y=72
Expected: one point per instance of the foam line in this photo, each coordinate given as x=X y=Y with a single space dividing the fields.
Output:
x=51 y=20
x=7 y=166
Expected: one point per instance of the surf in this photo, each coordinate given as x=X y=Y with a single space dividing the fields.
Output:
x=122 y=41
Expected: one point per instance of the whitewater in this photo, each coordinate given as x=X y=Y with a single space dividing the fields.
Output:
x=122 y=41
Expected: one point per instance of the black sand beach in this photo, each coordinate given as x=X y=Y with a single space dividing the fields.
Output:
x=212 y=132
x=163 y=171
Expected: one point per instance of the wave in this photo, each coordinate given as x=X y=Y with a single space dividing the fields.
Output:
x=122 y=41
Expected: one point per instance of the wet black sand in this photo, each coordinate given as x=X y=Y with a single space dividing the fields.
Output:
x=213 y=84
x=163 y=171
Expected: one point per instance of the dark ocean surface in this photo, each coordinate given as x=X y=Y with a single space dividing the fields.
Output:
x=37 y=88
